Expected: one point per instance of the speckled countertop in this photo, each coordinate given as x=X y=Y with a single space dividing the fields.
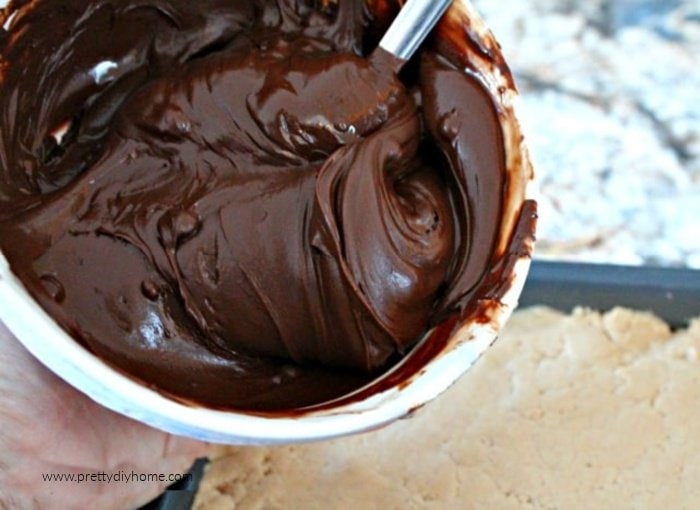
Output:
x=611 y=108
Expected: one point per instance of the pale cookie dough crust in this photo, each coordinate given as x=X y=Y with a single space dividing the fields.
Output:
x=586 y=411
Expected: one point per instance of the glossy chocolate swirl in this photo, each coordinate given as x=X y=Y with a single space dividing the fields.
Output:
x=230 y=201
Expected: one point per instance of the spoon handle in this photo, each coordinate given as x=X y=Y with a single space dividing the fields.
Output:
x=412 y=25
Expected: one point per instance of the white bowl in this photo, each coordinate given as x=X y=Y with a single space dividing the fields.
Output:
x=49 y=343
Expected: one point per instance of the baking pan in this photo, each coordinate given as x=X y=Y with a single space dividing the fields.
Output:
x=180 y=495
x=671 y=294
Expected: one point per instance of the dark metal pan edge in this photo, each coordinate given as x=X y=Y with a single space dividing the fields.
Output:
x=671 y=294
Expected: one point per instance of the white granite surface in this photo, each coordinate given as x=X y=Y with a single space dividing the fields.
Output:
x=611 y=107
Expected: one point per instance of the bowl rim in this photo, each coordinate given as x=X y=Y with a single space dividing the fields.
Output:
x=109 y=387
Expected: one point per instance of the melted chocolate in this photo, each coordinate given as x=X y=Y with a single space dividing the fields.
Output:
x=229 y=201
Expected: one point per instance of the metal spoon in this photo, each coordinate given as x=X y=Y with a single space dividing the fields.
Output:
x=412 y=25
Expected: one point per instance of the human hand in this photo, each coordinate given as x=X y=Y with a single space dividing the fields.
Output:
x=48 y=427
